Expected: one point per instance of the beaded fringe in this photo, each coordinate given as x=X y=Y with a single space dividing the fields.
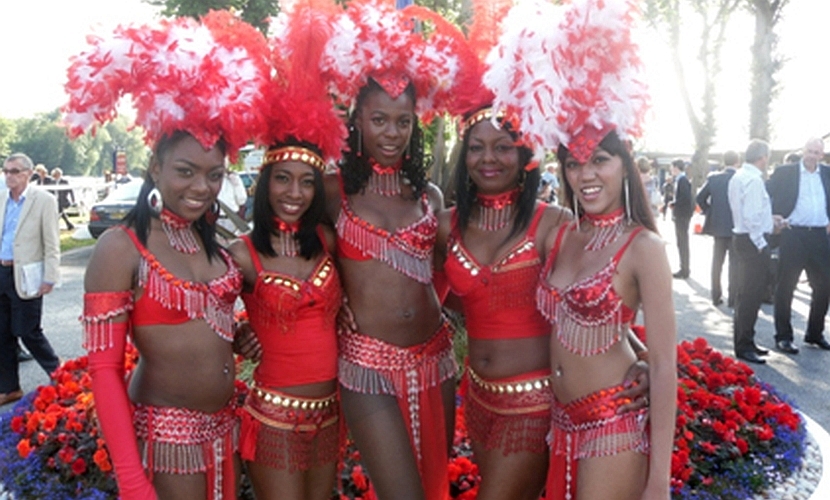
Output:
x=198 y=303
x=599 y=438
x=604 y=236
x=385 y=184
x=494 y=218
x=100 y=308
x=510 y=422
x=400 y=254
x=371 y=366
x=580 y=335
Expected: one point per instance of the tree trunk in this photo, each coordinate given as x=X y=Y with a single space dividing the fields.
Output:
x=765 y=65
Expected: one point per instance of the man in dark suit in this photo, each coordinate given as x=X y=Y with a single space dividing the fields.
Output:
x=800 y=193
x=713 y=200
x=682 y=214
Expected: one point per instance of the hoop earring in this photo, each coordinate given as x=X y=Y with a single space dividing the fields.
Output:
x=576 y=211
x=155 y=202
x=627 y=200
x=212 y=215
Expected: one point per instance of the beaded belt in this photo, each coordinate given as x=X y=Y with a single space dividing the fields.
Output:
x=509 y=387
x=293 y=402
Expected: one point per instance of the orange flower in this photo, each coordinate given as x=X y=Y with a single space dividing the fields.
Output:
x=102 y=460
x=24 y=448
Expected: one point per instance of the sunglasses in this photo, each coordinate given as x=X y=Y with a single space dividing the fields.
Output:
x=11 y=171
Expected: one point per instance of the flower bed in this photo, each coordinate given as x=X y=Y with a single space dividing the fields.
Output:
x=735 y=437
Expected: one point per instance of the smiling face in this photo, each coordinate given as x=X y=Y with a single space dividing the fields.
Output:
x=492 y=159
x=385 y=125
x=189 y=177
x=290 y=189
x=598 y=182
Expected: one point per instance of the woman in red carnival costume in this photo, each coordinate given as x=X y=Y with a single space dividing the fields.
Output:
x=488 y=248
x=396 y=368
x=606 y=265
x=290 y=433
x=160 y=280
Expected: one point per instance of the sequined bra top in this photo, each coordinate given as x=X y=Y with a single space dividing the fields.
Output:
x=294 y=320
x=168 y=300
x=408 y=249
x=589 y=315
x=498 y=300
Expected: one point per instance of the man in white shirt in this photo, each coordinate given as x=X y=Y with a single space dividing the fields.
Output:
x=752 y=218
x=800 y=194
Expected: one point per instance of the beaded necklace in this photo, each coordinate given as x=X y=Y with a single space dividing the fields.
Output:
x=287 y=245
x=179 y=232
x=495 y=211
x=385 y=181
x=609 y=227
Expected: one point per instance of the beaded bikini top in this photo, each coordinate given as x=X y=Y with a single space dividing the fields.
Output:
x=408 y=249
x=589 y=315
x=498 y=299
x=171 y=300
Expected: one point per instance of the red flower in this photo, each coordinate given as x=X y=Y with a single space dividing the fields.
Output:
x=24 y=448
x=79 y=466
x=359 y=478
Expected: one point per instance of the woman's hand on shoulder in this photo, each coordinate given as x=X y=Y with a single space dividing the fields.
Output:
x=113 y=264
x=435 y=196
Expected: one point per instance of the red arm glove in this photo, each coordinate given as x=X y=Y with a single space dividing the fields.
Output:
x=107 y=342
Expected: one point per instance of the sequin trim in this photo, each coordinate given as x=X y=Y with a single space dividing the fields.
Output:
x=408 y=250
x=100 y=308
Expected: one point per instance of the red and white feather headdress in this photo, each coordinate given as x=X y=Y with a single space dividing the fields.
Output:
x=373 y=40
x=209 y=78
x=474 y=103
x=570 y=73
x=302 y=109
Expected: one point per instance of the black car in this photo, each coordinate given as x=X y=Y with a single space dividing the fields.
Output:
x=112 y=209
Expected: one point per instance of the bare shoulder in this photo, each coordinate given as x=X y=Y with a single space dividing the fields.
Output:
x=444 y=224
x=435 y=196
x=648 y=245
x=113 y=263
x=239 y=251
x=331 y=185
x=552 y=221
x=329 y=235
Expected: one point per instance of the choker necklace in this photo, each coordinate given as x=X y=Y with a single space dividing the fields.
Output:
x=609 y=227
x=385 y=181
x=287 y=245
x=179 y=232
x=495 y=211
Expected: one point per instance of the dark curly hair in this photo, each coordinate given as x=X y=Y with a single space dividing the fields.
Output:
x=465 y=191
x=355 y=169
x=263 y=219
x=139 y=217
x=640 y=210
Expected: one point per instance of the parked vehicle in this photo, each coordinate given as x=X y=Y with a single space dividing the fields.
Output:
x=112 y=209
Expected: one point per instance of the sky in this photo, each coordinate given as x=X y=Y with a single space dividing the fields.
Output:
x=39 y=36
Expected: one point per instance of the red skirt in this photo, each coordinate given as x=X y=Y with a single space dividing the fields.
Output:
x=589 y=427
x=511 y=414
x=183 y=441
x=289 y=432
x=414 y=376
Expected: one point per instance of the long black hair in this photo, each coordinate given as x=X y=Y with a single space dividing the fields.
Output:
x=355 y=170
x=310 y=244
x=465 y=190
x=139 y=217
x=640 y=209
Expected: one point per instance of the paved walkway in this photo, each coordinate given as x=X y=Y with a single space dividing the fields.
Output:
x=804 y=378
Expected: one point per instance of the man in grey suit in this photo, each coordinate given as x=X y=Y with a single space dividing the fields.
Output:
x=29 y=261
x=713 y=200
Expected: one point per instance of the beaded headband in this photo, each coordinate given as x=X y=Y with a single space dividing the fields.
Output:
x=294 y=153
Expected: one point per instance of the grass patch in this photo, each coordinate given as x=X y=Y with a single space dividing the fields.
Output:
x=69 y=243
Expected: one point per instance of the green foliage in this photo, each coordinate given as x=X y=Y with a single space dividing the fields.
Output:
x=44 y=139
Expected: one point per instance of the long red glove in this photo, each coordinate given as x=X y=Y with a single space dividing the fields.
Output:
x=115 y=415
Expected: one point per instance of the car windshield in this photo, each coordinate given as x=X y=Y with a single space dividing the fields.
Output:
x=124 y=192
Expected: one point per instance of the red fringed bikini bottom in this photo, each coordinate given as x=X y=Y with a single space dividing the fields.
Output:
x=413 y=375
x=184 y=441
x=511 y=414
x=290 y=432
x=589 y=427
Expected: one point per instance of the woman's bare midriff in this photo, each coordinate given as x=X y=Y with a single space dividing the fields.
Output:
x=389 y=305
x=186 y=366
